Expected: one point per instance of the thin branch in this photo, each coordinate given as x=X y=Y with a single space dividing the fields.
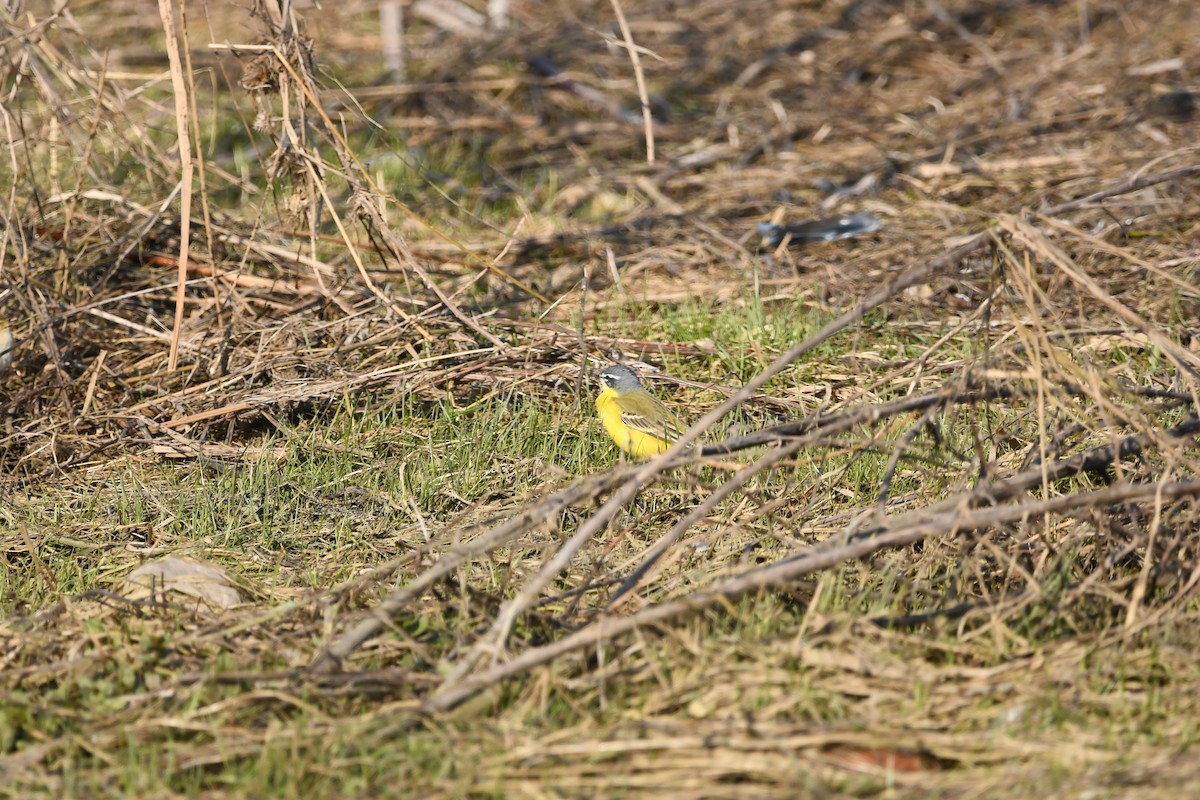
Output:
x=906 y=530
x=550 y=508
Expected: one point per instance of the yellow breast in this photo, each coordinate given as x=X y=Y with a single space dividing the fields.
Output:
x=634 y=442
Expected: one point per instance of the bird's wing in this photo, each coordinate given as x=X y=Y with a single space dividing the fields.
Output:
x=642 y=412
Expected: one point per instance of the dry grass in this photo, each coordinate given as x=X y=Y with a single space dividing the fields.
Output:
x=939 y=540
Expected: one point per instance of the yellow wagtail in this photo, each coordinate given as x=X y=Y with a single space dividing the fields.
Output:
x=637 y=422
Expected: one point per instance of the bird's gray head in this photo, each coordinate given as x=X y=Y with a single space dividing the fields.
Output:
x=620 y=378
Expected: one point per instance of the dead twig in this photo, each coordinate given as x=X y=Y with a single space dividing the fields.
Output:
x=904 y=530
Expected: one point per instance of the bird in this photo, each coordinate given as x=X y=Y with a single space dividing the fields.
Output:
x=636 y=420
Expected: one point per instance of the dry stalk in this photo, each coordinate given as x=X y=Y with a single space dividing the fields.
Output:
x=639 y=74
x=1037 y=241
x=539 y=514
x=904 y=530
x=181 y=84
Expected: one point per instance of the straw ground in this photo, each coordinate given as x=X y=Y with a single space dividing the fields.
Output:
x=336 y=336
